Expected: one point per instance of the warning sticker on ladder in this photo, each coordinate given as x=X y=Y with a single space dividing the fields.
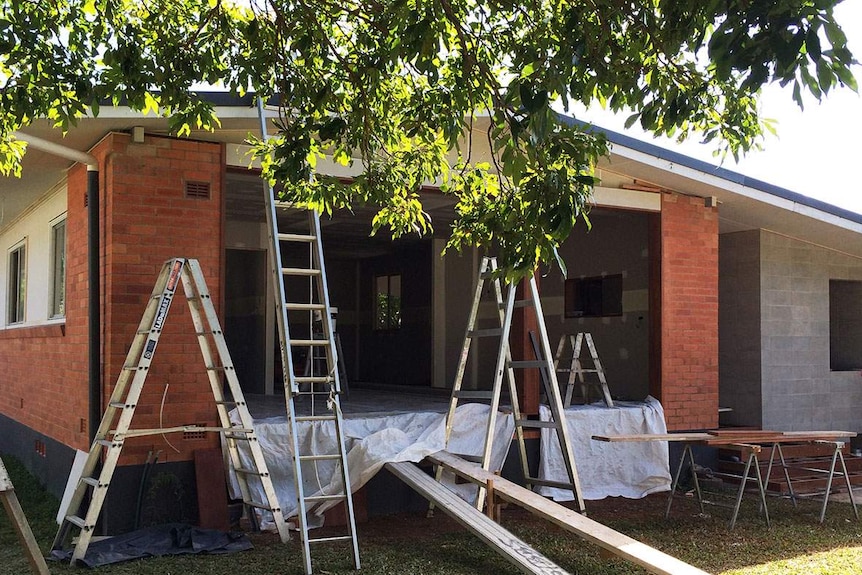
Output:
x=5 y=482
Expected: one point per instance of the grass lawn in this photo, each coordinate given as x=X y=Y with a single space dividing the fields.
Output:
x=413 y=544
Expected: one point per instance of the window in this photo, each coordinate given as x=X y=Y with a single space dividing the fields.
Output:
x=17 y=284
x=387 y=302
x=58 y=270
x=599 y=296
x=845 y=325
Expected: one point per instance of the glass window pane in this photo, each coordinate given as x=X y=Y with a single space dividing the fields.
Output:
x=58 y=303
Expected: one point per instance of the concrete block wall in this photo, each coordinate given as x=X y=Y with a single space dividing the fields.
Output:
x=739 y=328
x=799 y=390
x=689 y=312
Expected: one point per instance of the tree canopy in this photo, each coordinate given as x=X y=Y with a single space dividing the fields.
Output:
x=397 y=85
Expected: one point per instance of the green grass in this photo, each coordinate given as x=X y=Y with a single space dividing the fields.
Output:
x=796 y=544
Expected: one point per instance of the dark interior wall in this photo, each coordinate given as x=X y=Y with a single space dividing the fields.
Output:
x=617 y=243
x=245 y=321
x=341 y=276
x=739 y=331
x=399 y=356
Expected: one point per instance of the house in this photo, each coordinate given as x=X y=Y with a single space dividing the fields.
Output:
x=710 y=290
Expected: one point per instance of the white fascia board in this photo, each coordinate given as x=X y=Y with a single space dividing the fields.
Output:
x=733 y=187
x=626 y=199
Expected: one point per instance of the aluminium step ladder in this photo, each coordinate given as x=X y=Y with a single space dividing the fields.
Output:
x=83 y=511
x=320 y=386
x=505 y=365
x=576 y=369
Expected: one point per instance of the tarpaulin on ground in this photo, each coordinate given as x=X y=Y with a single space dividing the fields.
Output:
x=168 y=539
x=371 y=442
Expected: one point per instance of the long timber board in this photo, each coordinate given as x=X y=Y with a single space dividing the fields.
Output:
x=617 y=543
x=502 y=541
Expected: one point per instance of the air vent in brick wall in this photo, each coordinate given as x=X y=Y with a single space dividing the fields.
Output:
x=198 y=190
x=192 y=434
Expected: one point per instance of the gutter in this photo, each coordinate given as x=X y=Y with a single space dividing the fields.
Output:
x=94 y=412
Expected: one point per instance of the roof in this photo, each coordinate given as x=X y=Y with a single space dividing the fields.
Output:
x=745 y=203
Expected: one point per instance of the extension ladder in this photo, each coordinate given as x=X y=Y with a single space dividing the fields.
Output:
x=115 y=427
x=505 y=364
x=318 y=386
x=576 y=369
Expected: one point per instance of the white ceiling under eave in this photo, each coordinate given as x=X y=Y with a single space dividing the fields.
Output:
x=741 y=207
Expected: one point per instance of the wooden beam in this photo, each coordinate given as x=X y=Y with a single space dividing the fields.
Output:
x=19 y=522
x=617 y=543
x=655 y=437
x=516 y=551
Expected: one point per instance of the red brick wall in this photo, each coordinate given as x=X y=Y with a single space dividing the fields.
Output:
x=44 y=368
x=689 y=313
x=148 y=220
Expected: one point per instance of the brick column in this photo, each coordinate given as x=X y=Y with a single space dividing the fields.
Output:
x=688 y=364
x=150 y=218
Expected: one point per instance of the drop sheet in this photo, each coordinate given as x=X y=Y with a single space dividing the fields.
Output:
x=618 y=469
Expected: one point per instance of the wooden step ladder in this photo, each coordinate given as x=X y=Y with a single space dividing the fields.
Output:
x=577 y=370
x=505 y=365
x=92 y=488
x=319 y=386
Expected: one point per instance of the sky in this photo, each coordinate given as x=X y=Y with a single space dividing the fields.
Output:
x=818 y=150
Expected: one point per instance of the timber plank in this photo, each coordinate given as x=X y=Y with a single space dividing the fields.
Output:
x=617 y=543
x=19 y=522
x=501 y=540
x=695 y=436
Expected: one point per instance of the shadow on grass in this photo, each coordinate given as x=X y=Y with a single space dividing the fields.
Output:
x=415 y=544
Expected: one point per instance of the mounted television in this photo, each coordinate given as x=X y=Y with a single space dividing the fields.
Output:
x=598 y=296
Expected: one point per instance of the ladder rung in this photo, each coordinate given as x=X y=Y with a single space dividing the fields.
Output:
x=259 y=505
x=91 y=481
x=319 y=498
x=315 y=418
x=121 y=405
x=229 y=402
x=314 y=379
x=132 y=367
x=548 y=483
x=473 y=394
x=323 y=457
x=248 y=471
x=300 y=272
x=78 y=521
x=217 y=367
x=490 y=332
x=238 y=435
x=309 y=342
x=526 y=364
x=295 y=306
x=535 y=423
x=306 y=238
x=331 y=539
x=108 y=443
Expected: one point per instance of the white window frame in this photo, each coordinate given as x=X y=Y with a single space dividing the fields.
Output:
x=16 y=307
x=57 y=309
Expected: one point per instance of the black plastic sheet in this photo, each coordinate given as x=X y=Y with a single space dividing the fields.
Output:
x=169 y=539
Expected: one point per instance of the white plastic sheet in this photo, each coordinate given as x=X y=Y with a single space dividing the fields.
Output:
x=619 y=469
x=371 y=442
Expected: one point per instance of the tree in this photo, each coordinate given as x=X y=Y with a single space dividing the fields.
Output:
x=397 y=84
